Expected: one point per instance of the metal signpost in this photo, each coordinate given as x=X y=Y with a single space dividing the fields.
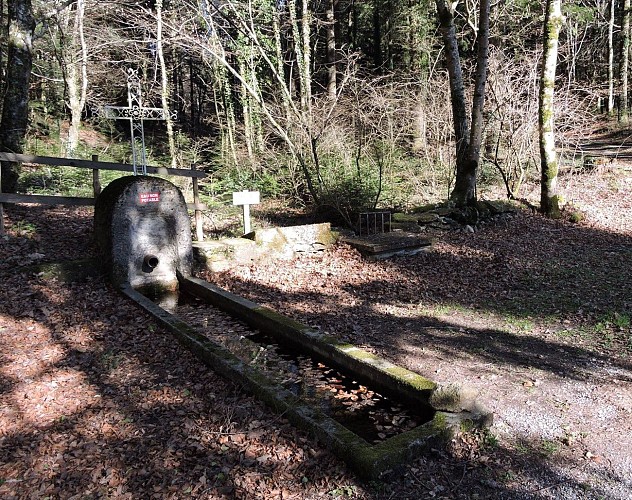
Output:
x=136 y=114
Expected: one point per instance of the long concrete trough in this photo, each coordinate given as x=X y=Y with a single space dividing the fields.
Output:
x=450 y=411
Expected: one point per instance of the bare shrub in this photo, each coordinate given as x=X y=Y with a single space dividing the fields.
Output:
x=511 y=143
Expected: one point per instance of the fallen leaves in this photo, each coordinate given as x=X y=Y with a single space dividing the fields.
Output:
x=123 y=411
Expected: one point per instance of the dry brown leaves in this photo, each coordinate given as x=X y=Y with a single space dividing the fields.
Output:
x=98 y=402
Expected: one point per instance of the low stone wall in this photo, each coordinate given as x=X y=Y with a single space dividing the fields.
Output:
x=281 y=243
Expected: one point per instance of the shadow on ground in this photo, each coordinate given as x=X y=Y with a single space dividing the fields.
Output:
x=161 y=423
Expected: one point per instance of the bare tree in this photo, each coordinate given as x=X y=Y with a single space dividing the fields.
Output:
x=331 y=49
x=457 y=87
x=468 y=141
x=72 y=54
x=164 y=86
x=610 y=58
x=625 y=59
x=465 y=184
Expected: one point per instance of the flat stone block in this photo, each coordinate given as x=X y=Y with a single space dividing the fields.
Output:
x=388 y=244
x=305 y=238
x=264 y=244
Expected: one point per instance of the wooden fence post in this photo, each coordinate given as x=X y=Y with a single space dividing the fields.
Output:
x=199 y=230
x=96 y=183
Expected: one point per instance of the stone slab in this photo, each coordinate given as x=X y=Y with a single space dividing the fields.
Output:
x=304 y=238
x=388 y=244
x=264 y=244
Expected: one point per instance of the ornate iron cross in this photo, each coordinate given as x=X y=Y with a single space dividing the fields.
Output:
x=136 y=114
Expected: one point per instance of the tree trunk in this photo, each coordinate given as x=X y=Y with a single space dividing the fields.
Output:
x=192 y=121
x=610 y=58
x=549 y=198
x=16 y=99
x=306 y=23
x=378 y=61
x=332 y=89
x=280 y=63
x=4 y=36
x=76 y=77
x=625 y=59
x=302 y=51
x=464 y=192
x=243 y=61
x=353 y=21
x=457 y=96
x=164 y=90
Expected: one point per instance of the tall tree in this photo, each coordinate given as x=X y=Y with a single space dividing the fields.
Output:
x=16 y=98
x=73 y=58
x=468 y=141
x=610 y=58
x=549 y=197
x=465 y=185
x=331 y=49
x=445 y=13
x=164 y=85
x=625 y=59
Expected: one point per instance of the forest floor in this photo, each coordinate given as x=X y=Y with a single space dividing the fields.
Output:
x=99 y=402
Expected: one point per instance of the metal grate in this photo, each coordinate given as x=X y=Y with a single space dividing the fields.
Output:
x=374 y=223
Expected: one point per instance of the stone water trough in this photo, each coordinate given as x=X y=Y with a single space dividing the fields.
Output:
x=143 y=232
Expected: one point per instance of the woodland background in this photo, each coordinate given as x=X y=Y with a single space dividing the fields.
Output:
x=340 y=104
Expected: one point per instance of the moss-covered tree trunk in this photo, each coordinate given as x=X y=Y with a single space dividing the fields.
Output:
x=549 y=198
x=16 y=98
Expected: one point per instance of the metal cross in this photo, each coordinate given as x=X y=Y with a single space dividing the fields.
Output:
x=136 y=114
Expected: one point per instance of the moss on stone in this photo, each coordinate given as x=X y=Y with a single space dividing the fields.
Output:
x=357 y=353
x=401 y=217
x=369 y=461
x=279 y=318
x=410 y=378
x=425 y=208
x=325 y=235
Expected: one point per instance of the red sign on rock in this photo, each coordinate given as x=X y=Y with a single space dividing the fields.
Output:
x=149 y=197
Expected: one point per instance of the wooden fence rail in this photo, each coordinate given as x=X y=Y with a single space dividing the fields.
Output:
x=95 y=165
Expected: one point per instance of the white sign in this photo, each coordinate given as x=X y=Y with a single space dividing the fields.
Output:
x=149 y=197
x=246 y=198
